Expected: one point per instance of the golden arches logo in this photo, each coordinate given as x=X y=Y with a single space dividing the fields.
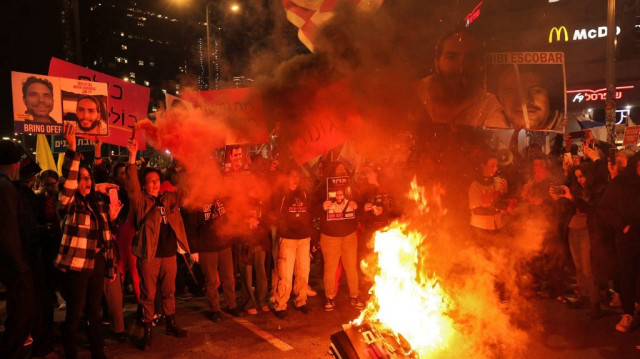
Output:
x=558 y=32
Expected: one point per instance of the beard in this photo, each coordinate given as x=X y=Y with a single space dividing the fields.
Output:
x=94 y=124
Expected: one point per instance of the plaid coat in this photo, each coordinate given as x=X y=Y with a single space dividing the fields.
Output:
x=80 y=232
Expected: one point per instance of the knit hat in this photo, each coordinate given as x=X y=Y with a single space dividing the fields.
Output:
x=10 y=153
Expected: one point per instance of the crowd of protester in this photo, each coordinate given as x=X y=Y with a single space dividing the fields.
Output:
x=115 y=229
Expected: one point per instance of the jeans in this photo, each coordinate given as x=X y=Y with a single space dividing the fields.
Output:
x=83 y=289
x=258 y=296
x=211 y=262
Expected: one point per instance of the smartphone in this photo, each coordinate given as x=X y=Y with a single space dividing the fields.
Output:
x=557 y=190
x=113 y=196
x=567 y=158
x=577 y=134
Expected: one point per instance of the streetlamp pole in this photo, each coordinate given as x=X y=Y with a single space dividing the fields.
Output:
x=209 y=69
x=610 y=106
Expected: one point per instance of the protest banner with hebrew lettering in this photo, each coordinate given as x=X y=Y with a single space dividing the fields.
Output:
x=332 y=118
x=238 y=108
x=631 y=134
x=128 y=102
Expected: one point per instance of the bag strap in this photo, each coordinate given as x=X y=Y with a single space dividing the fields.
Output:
x=155 y=204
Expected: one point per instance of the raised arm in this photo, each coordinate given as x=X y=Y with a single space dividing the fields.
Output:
x=132 y=183
x=70 y=167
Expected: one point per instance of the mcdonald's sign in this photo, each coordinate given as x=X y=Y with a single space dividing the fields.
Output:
x=558 y=32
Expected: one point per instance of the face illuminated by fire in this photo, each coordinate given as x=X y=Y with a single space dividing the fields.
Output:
x=152 y=183
x=294 y=180
x=490 y=168
x=88 y=114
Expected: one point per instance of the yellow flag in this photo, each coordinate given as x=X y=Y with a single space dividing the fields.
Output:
x=60 y=161
x=44 y=157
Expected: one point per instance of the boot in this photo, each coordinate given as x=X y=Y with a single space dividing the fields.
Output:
x=173 y=329
x=146 y=341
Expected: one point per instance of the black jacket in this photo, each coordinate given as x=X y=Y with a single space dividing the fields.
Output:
x=12 y=256
x=620 y=205
x=204 y=228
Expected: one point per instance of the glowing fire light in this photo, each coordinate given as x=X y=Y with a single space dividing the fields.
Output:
x=405 y=303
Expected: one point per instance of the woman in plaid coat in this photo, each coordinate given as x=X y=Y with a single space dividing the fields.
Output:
x=86 y=254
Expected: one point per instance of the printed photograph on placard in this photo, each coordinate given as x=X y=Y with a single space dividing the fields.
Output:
x=85 y=103
x=36 y=103
x=339 y=194
x=531 y=88
x=236 y=159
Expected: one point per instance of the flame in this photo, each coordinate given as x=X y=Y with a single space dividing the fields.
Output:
x=405 y=303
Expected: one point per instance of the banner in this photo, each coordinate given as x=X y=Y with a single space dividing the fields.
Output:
x=531 y=87
x=37 y=105
x=242 y=112
x=59 y=144
x=127 y=102
x=631 y=134
x=332 y=118
x=339 y=194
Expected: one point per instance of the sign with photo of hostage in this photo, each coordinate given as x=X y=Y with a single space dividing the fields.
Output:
x=236 y=160
x=85 y=103
x=339 y=193
x=36 y=103
x=531 y=87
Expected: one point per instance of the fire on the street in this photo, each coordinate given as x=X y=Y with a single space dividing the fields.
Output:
x=406 y=304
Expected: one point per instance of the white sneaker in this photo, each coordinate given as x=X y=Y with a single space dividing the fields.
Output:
x=615 y=301
x=311 y=292
x=626 y=324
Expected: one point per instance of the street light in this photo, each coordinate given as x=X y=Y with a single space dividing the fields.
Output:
x=235 y=8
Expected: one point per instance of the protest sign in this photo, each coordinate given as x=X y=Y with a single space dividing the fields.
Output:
x=175 y=102
x=36 y=103
x=238 y=109
x=236 y=159
x=85 y=103
x=59 y=144
x=631 y=134
x=127 y=102
x=339 y=193
x=531 y=87
x=331 y=119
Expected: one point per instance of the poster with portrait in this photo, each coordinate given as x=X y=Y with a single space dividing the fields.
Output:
x=236 y=160
x=85 y=103
x=37 y=106
x=339 y=194
x=531 y=87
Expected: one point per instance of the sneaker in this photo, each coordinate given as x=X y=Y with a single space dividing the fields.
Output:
x=329 y=304
x=235 y=311
x=252 y=311
x=303 y=308
x=265 y=308
x=357 y=303
x=186 y=296
x=215 y=316
x=311 y=292
x=281 y=314
x=615 y=300
x=626 y=324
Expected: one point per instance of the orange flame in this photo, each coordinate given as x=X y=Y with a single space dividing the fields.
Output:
x=405 y=303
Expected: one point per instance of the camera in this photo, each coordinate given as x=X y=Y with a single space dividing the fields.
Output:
x=557 y=190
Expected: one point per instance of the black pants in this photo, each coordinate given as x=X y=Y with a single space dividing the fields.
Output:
x=629 y=264
x=80 y=290
x=19 y=314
